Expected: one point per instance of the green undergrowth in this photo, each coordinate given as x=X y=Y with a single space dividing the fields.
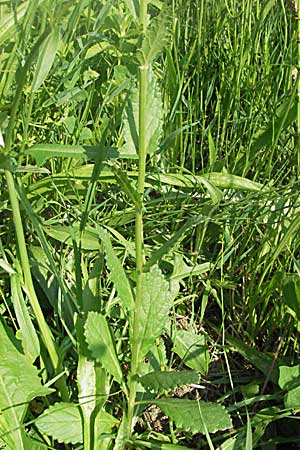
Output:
x=149 y=223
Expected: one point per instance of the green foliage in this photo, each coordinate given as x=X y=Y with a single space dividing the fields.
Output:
x=160 y=381
x=156 y=38
x=156 y=304
x=62 y=421
x=19 y=384
x=47 y=52
x=154 y=118
x=199 y=236
x=192 y=349
x=117 y=272
x=101 y=344
x=195 y=416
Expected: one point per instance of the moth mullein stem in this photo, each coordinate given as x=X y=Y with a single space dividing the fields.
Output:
x=139 y=234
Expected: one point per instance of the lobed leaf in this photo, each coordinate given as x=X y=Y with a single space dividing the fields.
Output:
x=156 y=38
x=195 y=416
x=101 y=344
x=159 y=381
x=62 y=422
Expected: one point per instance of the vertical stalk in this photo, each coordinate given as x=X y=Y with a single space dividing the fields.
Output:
x=298 y=84
x=139 y=235
x=45 y=330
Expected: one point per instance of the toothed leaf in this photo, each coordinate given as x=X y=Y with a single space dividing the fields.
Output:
x=195 y=416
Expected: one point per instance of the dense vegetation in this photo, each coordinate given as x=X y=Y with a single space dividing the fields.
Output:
x=149 y=223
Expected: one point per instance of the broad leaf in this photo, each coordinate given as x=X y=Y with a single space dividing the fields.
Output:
x=156 y=304
x=101 y=344
x=159 y=381
x=19 y=384
x=192 y=349
x=154 y=118
x=46 y=56
x=195 y=416
x=62 y=422
x=289 y=377
x=157 y=37
x=117 y=272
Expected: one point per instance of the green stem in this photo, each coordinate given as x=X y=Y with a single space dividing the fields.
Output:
x=298 y=87
x=139 y=235
x=45 y=330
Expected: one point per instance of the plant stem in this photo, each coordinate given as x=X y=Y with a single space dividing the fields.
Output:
x=45 y=330
x=298 y=85
x=139 y=235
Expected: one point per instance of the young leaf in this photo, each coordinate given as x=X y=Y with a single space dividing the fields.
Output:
x=195 y=416
x=117 y=271
x=157 y=301
x=192 y=349
x=62 y=422
x=159 y=381
x=19 y=384
x=154 y=117
x=47 y=52
x=101 y=344
x=157 y=37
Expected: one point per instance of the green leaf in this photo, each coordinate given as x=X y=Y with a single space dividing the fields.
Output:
x=292 y=398
x=291 y=294
x=104 y=423
x=159 y=381
x=157 y=37
x=192 y=349
x=65 y=235
x=101 y=344
x=260 y=360
x=46 y=56
x=42 y=152
x=19 y=384
x=62 y=422
x=117 y=272
x=30 y=341
x=127 y=187
x=289 y=377
x=156 y=304
x=154 y=118
x=195 y=416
